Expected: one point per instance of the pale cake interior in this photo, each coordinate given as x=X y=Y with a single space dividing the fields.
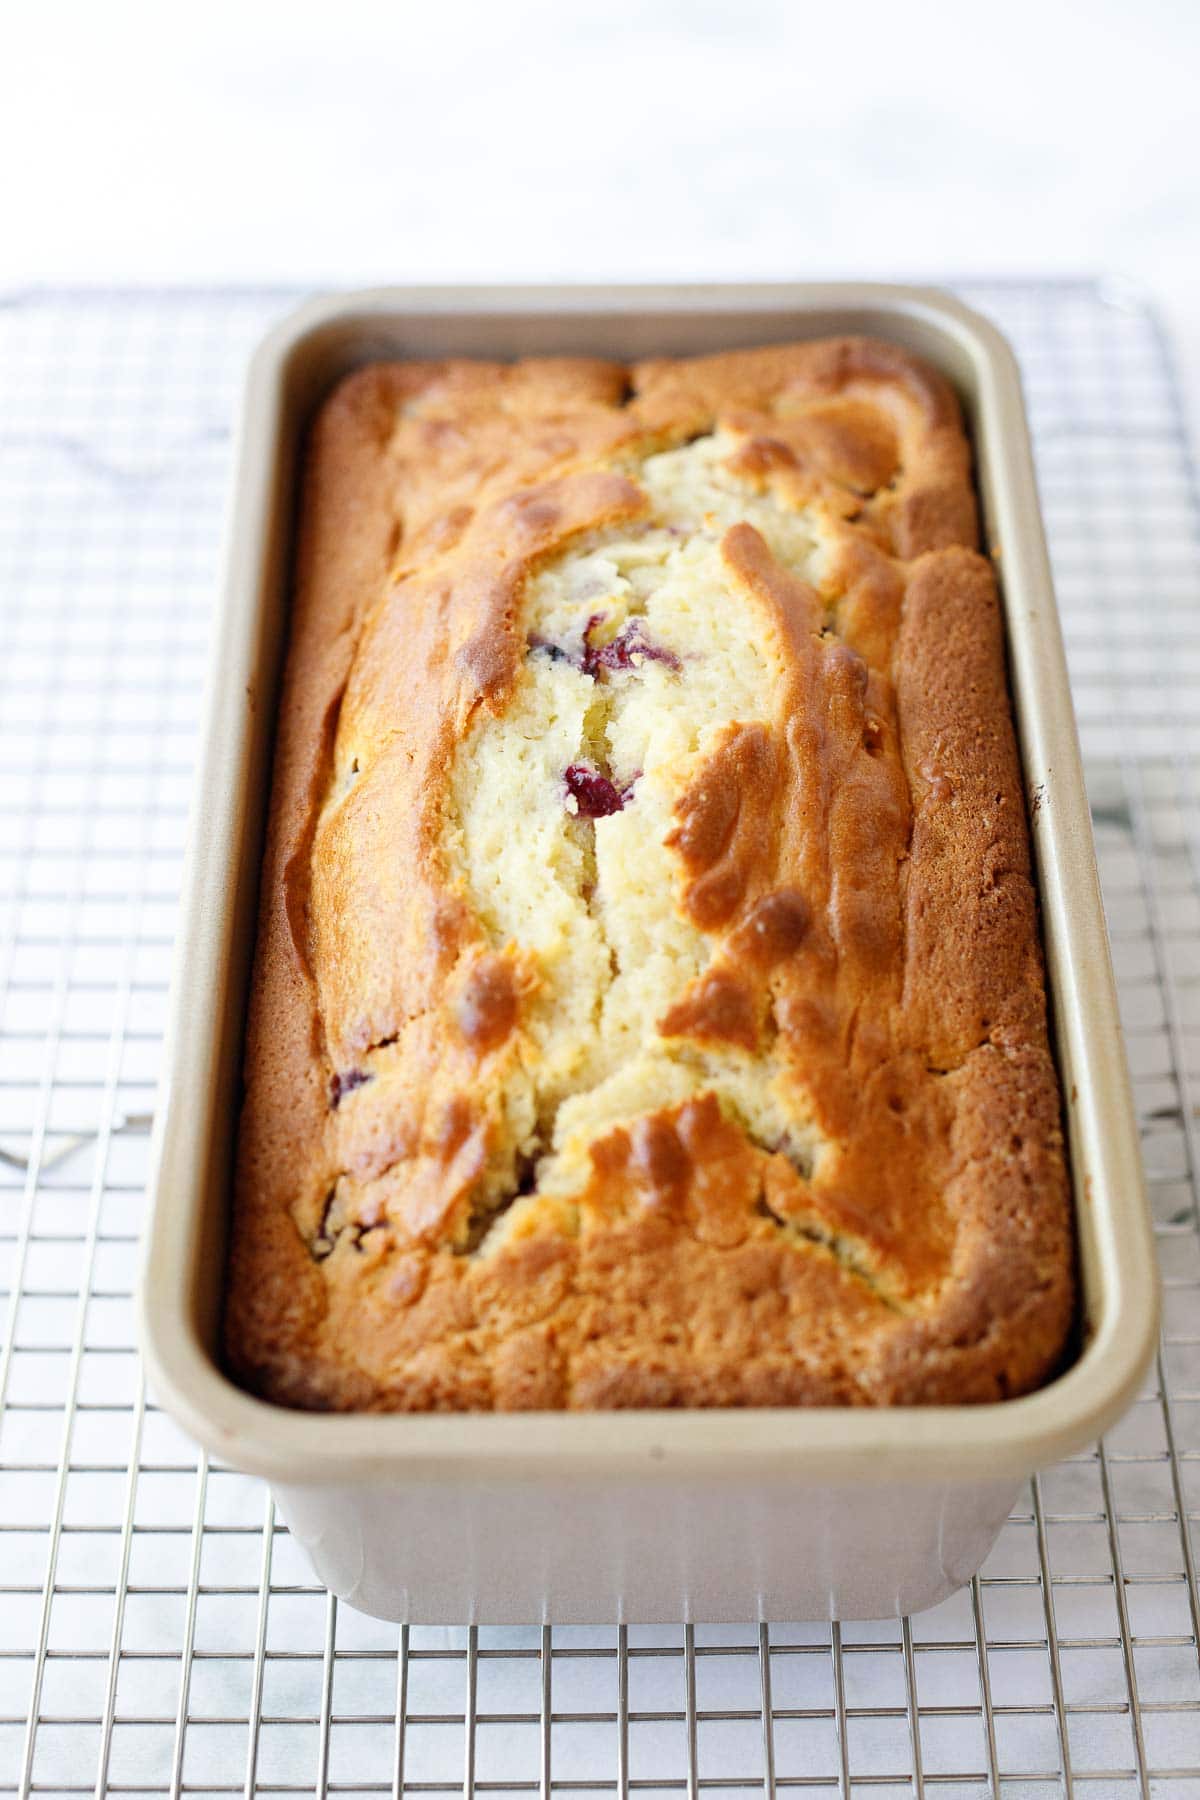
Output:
x=595 y=902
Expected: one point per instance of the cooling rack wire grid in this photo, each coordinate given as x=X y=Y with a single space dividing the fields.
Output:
x=159 y=1633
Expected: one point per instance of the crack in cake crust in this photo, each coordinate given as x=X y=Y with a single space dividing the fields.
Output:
x=610 y=1034
x=669 y=840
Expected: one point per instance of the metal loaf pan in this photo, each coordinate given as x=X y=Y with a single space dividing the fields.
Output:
x=649 y=1515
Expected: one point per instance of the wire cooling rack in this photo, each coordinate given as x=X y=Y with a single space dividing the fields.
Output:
x=159 y=1633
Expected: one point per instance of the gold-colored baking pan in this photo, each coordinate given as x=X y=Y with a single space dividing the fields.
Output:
x=644 y=1515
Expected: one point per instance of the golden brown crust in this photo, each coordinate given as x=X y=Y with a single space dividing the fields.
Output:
x=862 y=871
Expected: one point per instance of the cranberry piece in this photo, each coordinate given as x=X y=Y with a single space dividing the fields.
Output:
x=595 y=795
x=342 y=1084
x=627 y=650
x=555 y=652
x=630 y=647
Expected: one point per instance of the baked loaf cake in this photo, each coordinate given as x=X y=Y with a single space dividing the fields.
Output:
x=648 y=1006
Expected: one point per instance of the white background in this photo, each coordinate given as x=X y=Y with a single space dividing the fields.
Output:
x=355 y=141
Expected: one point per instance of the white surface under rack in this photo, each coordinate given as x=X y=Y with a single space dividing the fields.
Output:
x=158 y=1633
